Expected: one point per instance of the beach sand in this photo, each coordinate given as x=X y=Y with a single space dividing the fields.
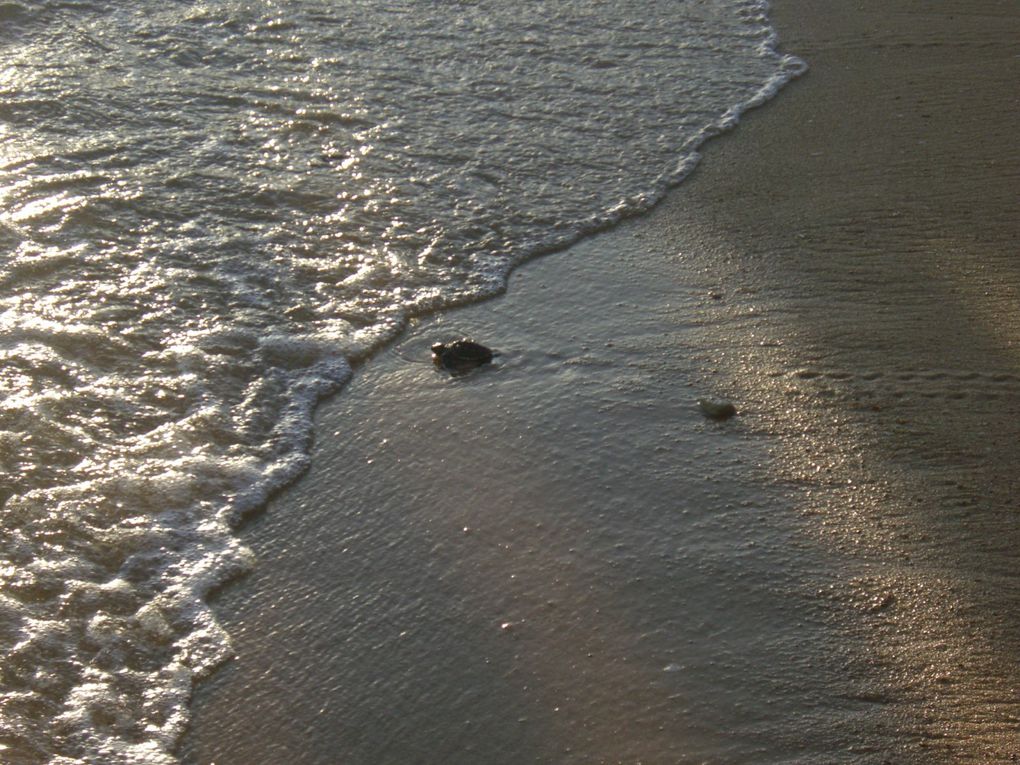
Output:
x=560 y=559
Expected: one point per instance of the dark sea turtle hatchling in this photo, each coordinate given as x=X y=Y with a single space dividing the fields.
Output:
x=717 y=409
x=461 y=355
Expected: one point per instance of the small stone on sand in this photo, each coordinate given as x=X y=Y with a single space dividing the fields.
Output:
x=716 y=409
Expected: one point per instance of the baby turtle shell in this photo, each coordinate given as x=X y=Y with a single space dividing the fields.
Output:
x=461 y=355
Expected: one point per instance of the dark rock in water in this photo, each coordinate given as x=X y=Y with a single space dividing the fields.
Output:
x=461 y=355
x=717 y=410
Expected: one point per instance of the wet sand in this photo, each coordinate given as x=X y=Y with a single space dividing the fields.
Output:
x=561 y=560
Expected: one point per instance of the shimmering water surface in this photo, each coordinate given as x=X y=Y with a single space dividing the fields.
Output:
x=207 y=211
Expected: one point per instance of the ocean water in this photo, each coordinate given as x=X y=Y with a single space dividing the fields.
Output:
x=208 y=212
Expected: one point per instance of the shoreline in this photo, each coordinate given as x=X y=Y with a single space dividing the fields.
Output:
x=869 y=335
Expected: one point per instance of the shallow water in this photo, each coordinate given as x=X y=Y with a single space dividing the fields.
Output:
x=557 y=559
x=208 y=211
